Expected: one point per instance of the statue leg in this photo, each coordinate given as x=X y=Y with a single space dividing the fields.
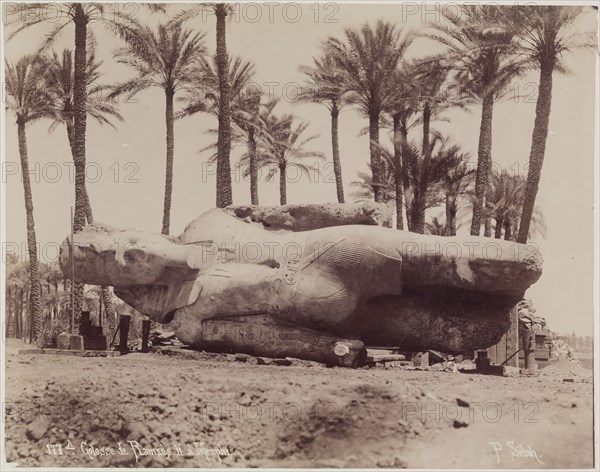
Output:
x=262 y=335
x=451 y=324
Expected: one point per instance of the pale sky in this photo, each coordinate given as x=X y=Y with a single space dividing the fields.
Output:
x=128 y=189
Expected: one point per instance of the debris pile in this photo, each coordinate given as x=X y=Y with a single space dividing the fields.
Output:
x=555 y=343
x=163 y=338
x=527 y=317
x=560 y=349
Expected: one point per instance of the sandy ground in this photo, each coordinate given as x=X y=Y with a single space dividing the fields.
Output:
x=207 y=410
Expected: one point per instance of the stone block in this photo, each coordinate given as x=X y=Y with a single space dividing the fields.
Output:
x=76 y=342
x=95 y=343
x=62 y=341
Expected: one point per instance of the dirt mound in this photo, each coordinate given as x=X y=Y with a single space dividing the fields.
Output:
x=365 y=418
x=566 y=367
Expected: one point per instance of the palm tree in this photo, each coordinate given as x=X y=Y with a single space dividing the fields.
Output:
x=452 y=177
x=224 y=190
x=402 y=109
x=369 y=58
x=250 y=117
x=285 y=148
x=243 y=109
x=546 y=38
x=419 y=194
x=54 y=276
x=246 y=118
x=59 y=82
x=221 y=11
x=80 y=15
x=206 y=97
x=18 y=280
x=439 y=228
x=484 y=59
x=506 y=197
x=165 y=58
x=431 y=76
x=28 y=100
x=365 y=188
x=325 y=85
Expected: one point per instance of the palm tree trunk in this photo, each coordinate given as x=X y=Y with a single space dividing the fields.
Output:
x=30 y=317
x=538 y=149
x=9 y=317
x=11 y=297
x=375 y=154
x=34 y=268
x=282 y=185
x=109 y=312
x=79 y=113
x=56 y=299
x=507 y=230
x=451 y=210
x=407 y=165
x=337 y=164
x=484 y=153
x=421 y=199
x=89 y=216
x=24 y=316
x=11 y=302
x=224 y=191
x=253 y=168
x=79 y=119
x=19 y=312
x=22 y=321
x=498 y=230
x=71 y=136
x=169 y=94
x=487 y=224
x=398 y=172
x=105 y=294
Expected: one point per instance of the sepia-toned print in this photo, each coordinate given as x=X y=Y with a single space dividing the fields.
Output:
x=299 y=235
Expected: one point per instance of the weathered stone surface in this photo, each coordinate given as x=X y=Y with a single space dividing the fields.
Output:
x=230 y=284
x=38 y=428
x=76 y=342
x=313 y=216
x=62 y=341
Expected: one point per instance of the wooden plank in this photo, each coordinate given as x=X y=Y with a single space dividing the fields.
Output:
x=512 y=339
x=124 y=321
x=492 y=353
x=508 y=344
x=501 y=350
x=385 y=358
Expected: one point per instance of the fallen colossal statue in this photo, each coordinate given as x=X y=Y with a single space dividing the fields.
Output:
x=231 y=282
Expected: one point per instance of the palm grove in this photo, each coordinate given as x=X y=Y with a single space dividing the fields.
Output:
x=372 y=70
